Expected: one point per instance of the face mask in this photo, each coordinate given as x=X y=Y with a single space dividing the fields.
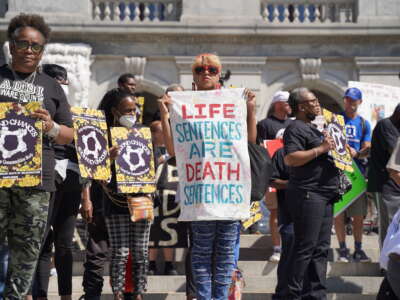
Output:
x=66 y=89
x=127 y=121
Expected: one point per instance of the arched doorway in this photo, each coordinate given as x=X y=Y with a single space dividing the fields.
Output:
x=328 y=102
x=151 y=92
x=329 y=95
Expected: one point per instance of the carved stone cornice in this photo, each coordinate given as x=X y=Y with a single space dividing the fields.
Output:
x=377 y=65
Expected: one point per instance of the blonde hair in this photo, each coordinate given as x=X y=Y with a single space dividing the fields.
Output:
x=207 y=59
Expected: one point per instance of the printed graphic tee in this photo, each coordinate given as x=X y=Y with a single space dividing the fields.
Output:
x=43 y=89
x=319 y=174
x=357 y=134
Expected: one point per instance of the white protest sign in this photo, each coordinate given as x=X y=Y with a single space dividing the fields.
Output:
x=210 y=140
x=379 y=100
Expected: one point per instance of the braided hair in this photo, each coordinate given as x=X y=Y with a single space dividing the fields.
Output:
x=111 y=100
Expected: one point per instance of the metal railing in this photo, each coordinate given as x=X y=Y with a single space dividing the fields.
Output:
x=136 y=10
x=311 y=11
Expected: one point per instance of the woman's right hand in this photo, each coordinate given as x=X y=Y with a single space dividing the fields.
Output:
x=328 y=143
x=163 y=105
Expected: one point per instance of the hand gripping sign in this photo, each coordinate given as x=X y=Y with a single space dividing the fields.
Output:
x=210 y=140
x=135 y=163
x=20 y=145
x=91 y=143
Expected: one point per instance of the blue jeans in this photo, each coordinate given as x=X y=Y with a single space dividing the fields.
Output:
x=3 y=268
x=213 y=240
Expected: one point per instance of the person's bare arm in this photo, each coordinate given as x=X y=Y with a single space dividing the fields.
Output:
x=167 y=132
x=251 y=116
x=395 y=175
x=65 y=134
x=279 y=184
x=86 y=205
x=300 y=158
x=364 y=151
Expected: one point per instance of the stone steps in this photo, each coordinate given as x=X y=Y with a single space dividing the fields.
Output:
x=346 y=281
x=246 y=296
x=263 y=268
x=259 y=284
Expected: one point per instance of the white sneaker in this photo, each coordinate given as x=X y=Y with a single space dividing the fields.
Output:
x=275 y=257
x=53 y=272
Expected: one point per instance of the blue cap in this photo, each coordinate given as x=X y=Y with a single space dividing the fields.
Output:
x=353 y=93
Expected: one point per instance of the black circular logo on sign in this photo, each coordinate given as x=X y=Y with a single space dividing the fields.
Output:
x=134 y=157
x=18 y=136
x=336 y=132
x=91 y=145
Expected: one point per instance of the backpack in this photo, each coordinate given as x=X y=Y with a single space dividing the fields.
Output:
x=261 y=170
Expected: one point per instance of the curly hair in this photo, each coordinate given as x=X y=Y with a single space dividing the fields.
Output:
x=25 y=20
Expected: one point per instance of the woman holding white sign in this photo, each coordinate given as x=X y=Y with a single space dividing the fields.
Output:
x=213 y=236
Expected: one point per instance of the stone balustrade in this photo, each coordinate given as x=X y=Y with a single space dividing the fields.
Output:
x=311 y=11
x=136 y=10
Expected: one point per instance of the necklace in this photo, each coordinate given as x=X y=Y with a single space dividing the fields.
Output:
x=30 y=79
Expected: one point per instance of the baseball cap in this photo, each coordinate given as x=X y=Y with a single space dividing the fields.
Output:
x=353 y=93
x=280 y=96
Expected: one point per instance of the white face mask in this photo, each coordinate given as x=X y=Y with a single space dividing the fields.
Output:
x=66 y=89
x=127 y=121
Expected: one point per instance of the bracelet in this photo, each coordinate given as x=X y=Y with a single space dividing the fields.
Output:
x=54 y=131
x=316 y=152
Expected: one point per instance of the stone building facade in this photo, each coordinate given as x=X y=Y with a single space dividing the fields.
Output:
x=267 y=45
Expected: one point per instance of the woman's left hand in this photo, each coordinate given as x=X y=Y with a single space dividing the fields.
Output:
x=114 y=151
x=44 y=115
x=250 y=100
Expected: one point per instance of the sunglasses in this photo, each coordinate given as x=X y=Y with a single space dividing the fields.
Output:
x=25 y=45
x=202 y=69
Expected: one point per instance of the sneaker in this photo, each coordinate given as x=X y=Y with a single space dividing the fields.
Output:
x=152 y=269
x=170 y=270
x=53 y=272
x=360 y=256
x=275 y=257
x=344 y=255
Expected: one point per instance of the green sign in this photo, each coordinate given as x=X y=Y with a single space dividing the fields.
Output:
x=359 y=187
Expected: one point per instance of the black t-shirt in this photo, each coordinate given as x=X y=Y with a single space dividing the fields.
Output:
x=319 y=174
x=384 y=138
x=279 y=171
x=46 y=89
x=270 y=128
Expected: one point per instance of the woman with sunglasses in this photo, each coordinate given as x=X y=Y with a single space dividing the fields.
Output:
x=211 y=283
x=312 y=190
x=23 y=211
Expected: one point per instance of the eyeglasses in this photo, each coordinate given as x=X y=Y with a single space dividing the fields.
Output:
x=202 y=69
x=25 y=45
x=311 y=101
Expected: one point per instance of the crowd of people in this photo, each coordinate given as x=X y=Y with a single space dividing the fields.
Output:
x=304 y=177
